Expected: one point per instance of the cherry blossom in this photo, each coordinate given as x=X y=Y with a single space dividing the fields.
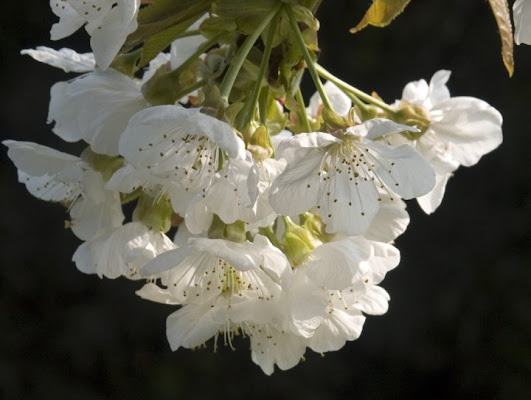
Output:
x=108 y=22
x=338 y=176
x=461 y=130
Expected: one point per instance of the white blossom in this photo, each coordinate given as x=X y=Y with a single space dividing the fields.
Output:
x=338 y=177
x=225 y=287
x=461 y=130
x=239 y=192
x=59 y=177
x=177 y=149
x=108 y=22
x=96 y=108
x=332 y=289
x=121 y=251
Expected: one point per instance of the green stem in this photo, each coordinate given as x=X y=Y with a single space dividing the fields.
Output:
x=351 y=89
x=355 y=99
x=302 y=112
x=200 y=50
x=245 y=116
x=189 y=89
x=192 y=32
x=237 y=61
x=263 y=105
x=307 y=57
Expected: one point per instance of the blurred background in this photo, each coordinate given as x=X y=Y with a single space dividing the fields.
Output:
x=459 y=323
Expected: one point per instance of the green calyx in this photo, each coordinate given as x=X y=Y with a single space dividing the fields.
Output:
x=413 y=115
x=156 y=214
x=298 y=241
x=106 y=165
x=234 y=232
x=260 y=144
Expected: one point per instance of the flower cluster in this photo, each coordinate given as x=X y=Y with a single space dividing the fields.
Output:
x=283 y=215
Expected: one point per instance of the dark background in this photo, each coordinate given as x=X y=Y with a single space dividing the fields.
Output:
x=459 y=320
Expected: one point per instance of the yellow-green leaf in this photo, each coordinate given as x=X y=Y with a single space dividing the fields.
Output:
x=381 y=13
x=500 y=9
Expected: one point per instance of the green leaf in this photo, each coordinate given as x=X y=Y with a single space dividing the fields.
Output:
x=162 y=15
x=381 y=13
x=238 y=8
x=153 y=45
x=162 y=9
x=500 y=9
x=212 y=26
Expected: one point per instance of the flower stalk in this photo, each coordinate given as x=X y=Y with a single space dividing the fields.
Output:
x=241 y=55
x=310 y=63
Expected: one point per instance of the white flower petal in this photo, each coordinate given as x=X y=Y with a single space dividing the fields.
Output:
x=340 y=102
x=375 y=301
x=95 y=107
x=152 y=292
x=416 y=92
x=69 y=21
x=50 y=187
x=307 y=304
x=234 y=190
x=193 y=325
x=385 y=257
x=108 y=34
x=346 y=205
x=166 y=261
x=272 y=260
x=390 y=222
x=377 y=127
x=154 y=65
x=296 y=190
x=121 y=251
x=469 y=127
x=198 y=217
x=522 y=19
x=438 y=90
x=125 y=180
x=83 y=259
x=178 y=145
x=402 y=169
x=280 y=137
x=270 y=346
x=236 y=254
x=66 y=59
x=183 y=48
x=91 y=9
x=37 y=160
x=339 y=327
x=335 y=265
x=291 y=146
x=443 y=167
